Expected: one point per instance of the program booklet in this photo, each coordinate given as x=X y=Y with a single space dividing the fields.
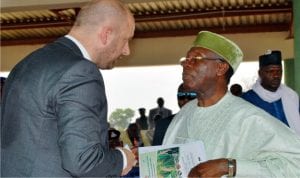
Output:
x=174 y=161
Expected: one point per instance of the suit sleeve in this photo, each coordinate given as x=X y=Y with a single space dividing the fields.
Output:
x=81 y=110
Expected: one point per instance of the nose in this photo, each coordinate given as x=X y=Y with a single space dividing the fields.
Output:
x=276 y=74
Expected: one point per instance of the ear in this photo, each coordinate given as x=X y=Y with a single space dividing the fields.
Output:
x=259 y=73
x=223 y=67
x=105 y=34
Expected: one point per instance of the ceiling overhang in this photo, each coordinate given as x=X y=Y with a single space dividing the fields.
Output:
x=31 y=24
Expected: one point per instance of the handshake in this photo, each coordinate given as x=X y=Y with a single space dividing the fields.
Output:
x=130 y=155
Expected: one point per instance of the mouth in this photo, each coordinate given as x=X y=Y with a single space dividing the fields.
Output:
x=276 y=82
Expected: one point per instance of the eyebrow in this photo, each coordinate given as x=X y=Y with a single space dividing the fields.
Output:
x=201 y=58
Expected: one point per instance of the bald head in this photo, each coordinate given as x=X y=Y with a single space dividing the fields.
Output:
x=104 y=28
x=100 y=11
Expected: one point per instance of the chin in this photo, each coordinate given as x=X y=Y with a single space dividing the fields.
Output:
x=187 y=85
x=110 y=67
x=275 y=86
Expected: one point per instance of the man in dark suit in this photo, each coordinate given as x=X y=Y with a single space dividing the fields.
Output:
x=183 y=96
x=142 y=121
x=157 y=113
x=54 y=108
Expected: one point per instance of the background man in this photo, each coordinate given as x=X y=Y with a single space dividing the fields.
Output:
x=269 y=94
x=54 y=110
x=183 y=96
x=142 y=121
x=239 y=138
x=155 y=114
x=158 y=113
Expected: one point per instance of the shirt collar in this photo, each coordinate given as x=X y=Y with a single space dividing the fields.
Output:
x=80 y=46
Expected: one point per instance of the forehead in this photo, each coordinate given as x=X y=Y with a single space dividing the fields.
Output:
x=199 y=51
x=272 y=67
x=131 y=25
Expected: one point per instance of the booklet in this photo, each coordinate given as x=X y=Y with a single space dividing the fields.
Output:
x=174 y=161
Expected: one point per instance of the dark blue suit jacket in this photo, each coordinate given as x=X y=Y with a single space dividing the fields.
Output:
x=54 y=117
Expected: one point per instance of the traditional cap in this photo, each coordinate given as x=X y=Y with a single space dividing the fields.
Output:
x=270 y=58
x=220 y=45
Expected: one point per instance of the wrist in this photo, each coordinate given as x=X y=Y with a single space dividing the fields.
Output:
x=231 y=167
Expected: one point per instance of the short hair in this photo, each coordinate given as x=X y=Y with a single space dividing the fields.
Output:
x=97 y=11
x=229 y=74
x=142 y=109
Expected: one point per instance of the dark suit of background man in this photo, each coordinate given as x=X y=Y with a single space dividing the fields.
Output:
x=158 y=113
x=54 y=110
x=142 y=121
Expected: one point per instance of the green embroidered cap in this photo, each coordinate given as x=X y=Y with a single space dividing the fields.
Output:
x=220 y=45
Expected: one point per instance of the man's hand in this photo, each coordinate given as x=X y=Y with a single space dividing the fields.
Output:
x=131 y=161
x=211 y=168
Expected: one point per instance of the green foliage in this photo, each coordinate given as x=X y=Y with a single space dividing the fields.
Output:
x=120 y=118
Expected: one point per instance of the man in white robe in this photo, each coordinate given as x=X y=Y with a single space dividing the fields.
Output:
x=240 y=139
